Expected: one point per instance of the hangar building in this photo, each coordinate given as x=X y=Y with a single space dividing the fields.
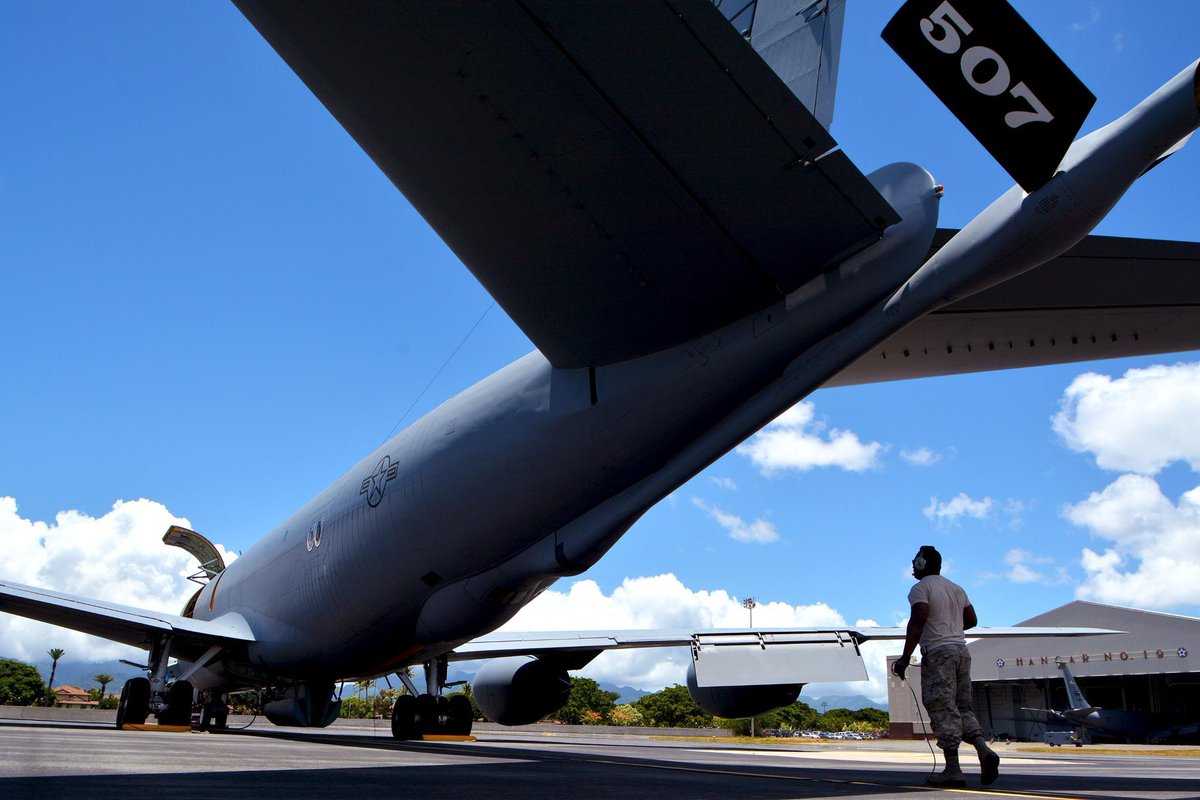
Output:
x=1154 y=666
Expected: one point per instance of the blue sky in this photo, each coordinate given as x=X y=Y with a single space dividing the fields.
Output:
x=214 y=302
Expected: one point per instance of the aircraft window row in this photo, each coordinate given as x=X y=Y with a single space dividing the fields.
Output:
x=314 y=535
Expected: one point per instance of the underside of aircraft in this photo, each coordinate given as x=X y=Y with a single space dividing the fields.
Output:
x=673 y=226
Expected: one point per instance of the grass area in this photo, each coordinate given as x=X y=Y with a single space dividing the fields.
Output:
x=769 y=741
x=1110 y=750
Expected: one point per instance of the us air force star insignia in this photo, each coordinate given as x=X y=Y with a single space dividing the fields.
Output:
x=374 y=485
x=1183 y=652
x=999 y=662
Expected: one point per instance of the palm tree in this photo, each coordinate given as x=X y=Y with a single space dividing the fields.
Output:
x=104 y=680
x=55 y=653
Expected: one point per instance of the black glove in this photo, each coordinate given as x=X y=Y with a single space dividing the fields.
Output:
x=899 y=667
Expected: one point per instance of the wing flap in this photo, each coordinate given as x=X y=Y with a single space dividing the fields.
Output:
x=1107 y=297
x=119 y=623
x=621 y=177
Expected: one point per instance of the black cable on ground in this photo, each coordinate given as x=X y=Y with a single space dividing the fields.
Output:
x=917 y=706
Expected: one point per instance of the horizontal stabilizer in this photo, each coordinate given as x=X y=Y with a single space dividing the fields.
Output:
x=125 y=624
x=612 y=209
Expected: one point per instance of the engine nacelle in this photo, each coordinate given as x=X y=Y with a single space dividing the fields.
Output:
x=736 y=702
x=520 y=690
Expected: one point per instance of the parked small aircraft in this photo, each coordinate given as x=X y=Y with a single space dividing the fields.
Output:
x=1114 y=722
x=673 y=226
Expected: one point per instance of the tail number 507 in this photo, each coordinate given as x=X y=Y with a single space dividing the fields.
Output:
x=945 y=29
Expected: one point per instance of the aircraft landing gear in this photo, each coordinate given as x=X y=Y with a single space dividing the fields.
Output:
x=214 y=715
x=134 y=706
x=426 y=715
x=140 y=697
x=431 y=714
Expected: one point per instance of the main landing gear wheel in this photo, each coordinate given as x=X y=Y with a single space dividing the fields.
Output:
x=404 y=718
x=134 y=705
x=461 y=715
x=414 y=717
x=179 y=705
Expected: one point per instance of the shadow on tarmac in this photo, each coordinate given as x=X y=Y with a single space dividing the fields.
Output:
x=554 y=773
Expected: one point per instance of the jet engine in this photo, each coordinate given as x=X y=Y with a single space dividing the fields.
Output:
x=735 y=702
x=520 y=690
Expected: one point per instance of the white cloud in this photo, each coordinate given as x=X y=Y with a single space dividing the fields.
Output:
x=728 y=484
x=760 y=531
x=795 y=440
x=1093 y=18
x=117 y=557
x=921 y=457
x=1140 y=422
x=1154 y=557
x=954 y=509
x=1026 y=567
x=662 y=601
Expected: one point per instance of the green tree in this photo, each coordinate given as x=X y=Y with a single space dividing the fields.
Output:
x=625 y=714
x=673 y=707
x=798 y=716
x=843 y=719
x=587 y=704
x=55 y=653
x=104 y=679
x=20 y=683
x=465 y=689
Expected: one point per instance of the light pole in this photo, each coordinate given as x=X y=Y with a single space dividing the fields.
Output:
x=749 y=603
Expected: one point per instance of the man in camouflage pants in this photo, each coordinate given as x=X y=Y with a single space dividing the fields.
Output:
x=941 y=612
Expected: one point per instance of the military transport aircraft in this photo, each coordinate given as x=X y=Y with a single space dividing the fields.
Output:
x=1114 y=722
x=652 y=194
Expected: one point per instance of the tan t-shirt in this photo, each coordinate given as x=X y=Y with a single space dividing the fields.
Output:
x=946 y=600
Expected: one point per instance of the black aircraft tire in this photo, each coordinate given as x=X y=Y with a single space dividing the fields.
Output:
x=179 y=705
x=404 y=718
x=462 y=714
x=134 y=705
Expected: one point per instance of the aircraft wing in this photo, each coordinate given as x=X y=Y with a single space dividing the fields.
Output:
x=503 y=643
x=1107 y=297
x=132 y=626
x=533 y=136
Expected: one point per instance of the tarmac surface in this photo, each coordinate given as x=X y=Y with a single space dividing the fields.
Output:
x=53 y=759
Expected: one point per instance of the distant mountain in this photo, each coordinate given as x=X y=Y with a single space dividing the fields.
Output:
x=627 y=694
x=80 y=673
x=851 y=701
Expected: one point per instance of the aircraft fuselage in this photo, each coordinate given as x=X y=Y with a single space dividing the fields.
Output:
x=446 y=530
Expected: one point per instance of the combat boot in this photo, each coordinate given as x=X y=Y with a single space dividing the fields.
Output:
x=952 y=776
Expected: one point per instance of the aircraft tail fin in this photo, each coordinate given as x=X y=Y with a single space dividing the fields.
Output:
x=1074 y=695
x=801 y=40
